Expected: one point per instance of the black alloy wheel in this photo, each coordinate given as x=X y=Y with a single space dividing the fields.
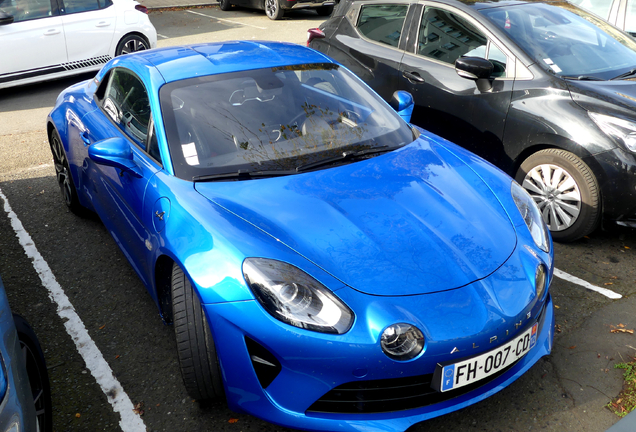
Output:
x=33 y=358
x=197 y=354
x=273 y=9
x=63 y=173
x=131 y=43
x=566 y=191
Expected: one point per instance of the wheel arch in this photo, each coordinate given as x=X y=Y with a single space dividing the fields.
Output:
x=163 y=277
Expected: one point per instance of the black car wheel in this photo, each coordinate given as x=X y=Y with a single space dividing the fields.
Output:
x=324 y=10
x=225 y=5
x=33 y=358
x=197 y=354
x=566 y=191
x=273 y=9
x=63 y=173
x=131 y=43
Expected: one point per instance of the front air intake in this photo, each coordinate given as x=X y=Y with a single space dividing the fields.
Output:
x=266 y=366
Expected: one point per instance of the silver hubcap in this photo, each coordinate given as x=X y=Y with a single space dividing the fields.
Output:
x=134 y=45
x=270 y=7
x=557 y=195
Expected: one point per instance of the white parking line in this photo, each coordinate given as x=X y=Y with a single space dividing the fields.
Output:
x=162 y=36
x=95 y=362
x=226 y=20
x=568 y=277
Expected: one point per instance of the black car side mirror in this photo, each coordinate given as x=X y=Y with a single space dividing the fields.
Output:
x=5 y=18
x=477 y=69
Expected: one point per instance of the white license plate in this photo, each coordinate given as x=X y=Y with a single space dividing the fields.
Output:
x=477 y=368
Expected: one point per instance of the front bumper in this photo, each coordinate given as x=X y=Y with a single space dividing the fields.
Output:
x=307 y=365
x=615 y=171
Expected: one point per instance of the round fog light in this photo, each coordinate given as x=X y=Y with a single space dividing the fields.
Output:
x=402 y=341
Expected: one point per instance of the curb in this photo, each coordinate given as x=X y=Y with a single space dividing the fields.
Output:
x=180 y=6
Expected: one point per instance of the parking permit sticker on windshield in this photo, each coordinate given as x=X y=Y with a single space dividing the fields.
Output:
x=548 y=61
x=555 y=68
x=190 y=154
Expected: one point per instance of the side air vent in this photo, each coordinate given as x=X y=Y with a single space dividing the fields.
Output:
x=266 y=366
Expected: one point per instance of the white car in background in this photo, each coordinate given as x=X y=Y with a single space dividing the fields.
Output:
x=47 y=39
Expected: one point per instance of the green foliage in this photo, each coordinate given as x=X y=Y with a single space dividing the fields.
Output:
x=625 y=402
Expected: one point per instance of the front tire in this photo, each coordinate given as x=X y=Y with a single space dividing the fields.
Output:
x=63 y=174
x=38 y=376
x=566 y=191
x=225 y=5
x=273 y=9
x=197 y=354
x=131 y=43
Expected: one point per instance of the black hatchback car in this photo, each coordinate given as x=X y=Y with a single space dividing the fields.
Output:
x=544 y=90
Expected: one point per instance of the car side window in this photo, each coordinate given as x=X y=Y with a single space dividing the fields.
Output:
x=75 y=6
x=382 y=23
x=630 y=17
x=446 y=36
x=126 y=103
x=24 y=10
x=600 y=8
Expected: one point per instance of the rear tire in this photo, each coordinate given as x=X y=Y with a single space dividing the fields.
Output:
x=225 y=5
x=273 y=9
x=566 y=191
x=197 y=355
x=37 y=372
x=131 y=43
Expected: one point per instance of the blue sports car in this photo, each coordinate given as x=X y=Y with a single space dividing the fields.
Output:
x=326 y=265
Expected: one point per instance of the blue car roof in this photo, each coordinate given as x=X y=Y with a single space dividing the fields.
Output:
x=181 y=62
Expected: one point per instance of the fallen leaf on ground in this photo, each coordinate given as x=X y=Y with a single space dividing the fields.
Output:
x=102 y=327
x=572 y=347
x=232 y=420
x=78 y=415
x=622 y=331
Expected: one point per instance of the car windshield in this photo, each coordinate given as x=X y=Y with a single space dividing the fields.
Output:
x=567 y=40
x=274 y=119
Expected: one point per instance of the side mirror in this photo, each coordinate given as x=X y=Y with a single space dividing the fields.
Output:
x=114 y=152
x=5 y=18
x=402 y=102
x=477 y=69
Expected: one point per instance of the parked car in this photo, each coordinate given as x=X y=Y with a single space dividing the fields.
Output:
x=47 y=39
x=25 y=394
x=545 y=91
x=621 y=13
x=326 y=265
x=275 y=9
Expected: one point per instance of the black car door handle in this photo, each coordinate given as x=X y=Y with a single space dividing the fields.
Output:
x=413 y=76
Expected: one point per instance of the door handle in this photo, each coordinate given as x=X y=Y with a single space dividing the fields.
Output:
x=85 y=138
x=102 y=24
x=51 y=32
x=413 y=76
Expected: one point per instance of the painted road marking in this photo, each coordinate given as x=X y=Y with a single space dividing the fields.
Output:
x=95 y=362
x=226 y=20
x=568 y=277
x=162 y=36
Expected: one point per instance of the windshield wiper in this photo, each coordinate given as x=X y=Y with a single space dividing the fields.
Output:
x=582 y=77
x=625 y=75
x=240 y=175
x=344 y=156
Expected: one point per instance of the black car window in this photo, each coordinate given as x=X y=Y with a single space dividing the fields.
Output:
x=75 y=6
x=24 y=10
x=445 y=36
x=126 y=102
x=382 y=23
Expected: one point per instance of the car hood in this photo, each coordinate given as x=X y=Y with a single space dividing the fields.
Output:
x=602 y=96
x=413 y=221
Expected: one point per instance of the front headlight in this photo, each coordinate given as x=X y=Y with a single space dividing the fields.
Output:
x=292 y=296
x=531 y=215
x=623 y=131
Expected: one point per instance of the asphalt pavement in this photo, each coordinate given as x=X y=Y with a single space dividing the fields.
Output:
x=568 y=389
